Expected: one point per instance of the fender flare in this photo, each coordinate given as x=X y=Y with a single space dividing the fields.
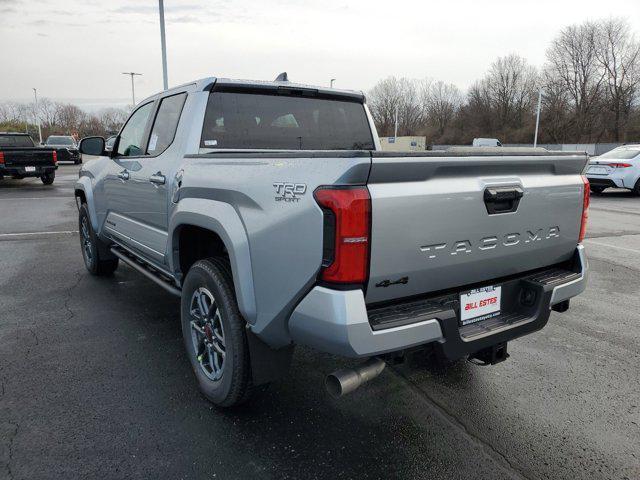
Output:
x=222 y=219
x=84 y=184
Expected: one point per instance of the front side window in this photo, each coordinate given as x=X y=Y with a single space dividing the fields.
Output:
x=238 y=120
x=132 y=135
x=165 y=124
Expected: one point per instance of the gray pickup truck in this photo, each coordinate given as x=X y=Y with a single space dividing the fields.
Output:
x=270 y=210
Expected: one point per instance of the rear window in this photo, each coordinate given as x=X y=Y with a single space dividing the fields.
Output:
x=254 y=121
x=59 y=141
x=16 y=141
x=621 y=153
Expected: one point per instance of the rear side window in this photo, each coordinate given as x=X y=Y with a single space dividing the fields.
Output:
x=255 y=121
x=166 y=123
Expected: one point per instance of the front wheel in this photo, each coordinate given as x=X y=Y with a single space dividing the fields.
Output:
x=214 y=333
x=94 y=252
x=48 y=177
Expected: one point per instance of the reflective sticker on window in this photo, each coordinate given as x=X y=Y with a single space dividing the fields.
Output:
x=211 y=143
x=153 y=142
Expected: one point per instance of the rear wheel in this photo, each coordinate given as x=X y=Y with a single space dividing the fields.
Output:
x=48 y=177
x=636 y=188
x=214 y=333
x=597 y=190
x=94 y=252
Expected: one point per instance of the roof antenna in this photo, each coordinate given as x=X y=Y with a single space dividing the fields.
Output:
x=283 y=77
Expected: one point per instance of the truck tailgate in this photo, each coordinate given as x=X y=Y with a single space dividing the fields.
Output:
x=20 y=157
x=442 y=219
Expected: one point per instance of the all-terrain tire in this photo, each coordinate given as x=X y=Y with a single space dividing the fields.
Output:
x=213 y=277
x=95 y=254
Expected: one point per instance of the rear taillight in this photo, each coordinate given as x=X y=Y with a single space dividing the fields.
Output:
x=1 y=158
x=55 y=156
x=347 y=228
x=585 y=208
x=619 y=165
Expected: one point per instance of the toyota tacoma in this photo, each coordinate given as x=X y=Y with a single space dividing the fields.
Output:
x=269 y=209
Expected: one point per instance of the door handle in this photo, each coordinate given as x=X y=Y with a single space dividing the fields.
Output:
x=158 y=179
x=123 y=175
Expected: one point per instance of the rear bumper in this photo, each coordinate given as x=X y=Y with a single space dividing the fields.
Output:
x=338 y=322
x=606 y=182
x=8 y=171
x=619 y=177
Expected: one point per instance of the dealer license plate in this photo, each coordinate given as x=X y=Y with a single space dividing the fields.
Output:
x=479 y=304
x=29 y=169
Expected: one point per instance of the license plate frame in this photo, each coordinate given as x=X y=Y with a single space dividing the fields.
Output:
x=480 y=304
x=594 y=170
x=29 y=169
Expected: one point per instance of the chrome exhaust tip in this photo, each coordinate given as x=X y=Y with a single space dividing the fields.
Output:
x=346 y=380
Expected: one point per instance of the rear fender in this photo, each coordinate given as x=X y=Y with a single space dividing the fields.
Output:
x=222 y=219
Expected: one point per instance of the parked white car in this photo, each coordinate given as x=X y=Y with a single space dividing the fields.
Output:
x=619 y=167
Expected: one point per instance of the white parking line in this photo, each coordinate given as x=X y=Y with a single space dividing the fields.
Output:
x=612 y=246
x=37 y=198
x=60 y=232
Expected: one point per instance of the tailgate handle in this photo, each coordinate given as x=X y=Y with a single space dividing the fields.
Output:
x=502 y=199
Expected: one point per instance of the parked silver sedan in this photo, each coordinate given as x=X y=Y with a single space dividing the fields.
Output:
x=619 y=168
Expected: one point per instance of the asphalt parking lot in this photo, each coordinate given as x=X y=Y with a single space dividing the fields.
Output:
x=94 y=382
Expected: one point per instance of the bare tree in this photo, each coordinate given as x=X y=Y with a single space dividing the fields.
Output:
x=573 y=63
x=511 y=85
x=442 y=104
x=618 y=53
x=404 y=95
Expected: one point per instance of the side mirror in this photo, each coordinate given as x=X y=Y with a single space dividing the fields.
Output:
x=92 y=146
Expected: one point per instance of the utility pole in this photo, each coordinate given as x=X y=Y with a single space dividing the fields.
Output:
x=535 y=137
x=395 y=134
x=332 y=80
x=133 y=91
x=163 y=44
x=37 y=113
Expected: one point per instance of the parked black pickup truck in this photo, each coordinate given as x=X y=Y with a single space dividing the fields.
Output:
x=20 y=158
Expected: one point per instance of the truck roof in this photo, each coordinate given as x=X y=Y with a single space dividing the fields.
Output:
x=210 y=83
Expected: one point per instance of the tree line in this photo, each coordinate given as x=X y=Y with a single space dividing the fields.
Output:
x=60 y=119
x=590 y=88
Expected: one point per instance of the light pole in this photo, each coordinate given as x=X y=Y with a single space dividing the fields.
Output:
x=535 y=136
x=332 y=80
x=395 y=133
x=133 y=91
x=37 y=113
x=163 y=43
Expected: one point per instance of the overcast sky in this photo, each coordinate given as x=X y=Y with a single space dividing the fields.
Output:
x=76 y=50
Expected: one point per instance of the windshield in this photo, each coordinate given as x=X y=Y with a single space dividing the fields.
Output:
x=16 y=141
x=53 y=140
x=620 y=153
x=256 y=121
